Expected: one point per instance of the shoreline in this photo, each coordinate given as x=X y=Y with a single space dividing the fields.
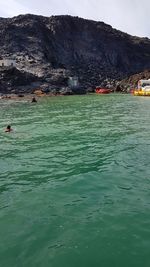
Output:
x=29 y=96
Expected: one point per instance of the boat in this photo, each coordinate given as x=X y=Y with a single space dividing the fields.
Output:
x=100 y=90
x=143 y=88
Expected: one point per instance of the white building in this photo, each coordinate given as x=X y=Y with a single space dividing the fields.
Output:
x=7 y=63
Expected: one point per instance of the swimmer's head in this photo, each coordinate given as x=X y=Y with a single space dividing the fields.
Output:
x=8 y=128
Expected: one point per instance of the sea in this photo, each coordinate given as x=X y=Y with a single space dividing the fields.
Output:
x=75 y=181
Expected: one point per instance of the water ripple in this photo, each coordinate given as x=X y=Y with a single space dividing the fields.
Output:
x=74 y=181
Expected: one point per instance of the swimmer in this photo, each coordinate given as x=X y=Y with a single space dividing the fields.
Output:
x=8 y=129
x=33 y=100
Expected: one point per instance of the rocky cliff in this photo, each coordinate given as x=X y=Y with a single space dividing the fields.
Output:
x=54 y=48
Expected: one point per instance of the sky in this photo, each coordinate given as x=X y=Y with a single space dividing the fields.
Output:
x=131 y=16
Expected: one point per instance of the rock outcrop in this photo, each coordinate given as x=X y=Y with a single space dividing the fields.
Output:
x=13 y=80
x=54 y=48
x=131 y=82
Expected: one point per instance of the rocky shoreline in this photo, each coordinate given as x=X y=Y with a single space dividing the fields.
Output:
x=14 y=81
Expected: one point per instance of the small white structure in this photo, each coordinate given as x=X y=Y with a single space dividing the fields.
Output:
x=7 y=63
x=73 y=82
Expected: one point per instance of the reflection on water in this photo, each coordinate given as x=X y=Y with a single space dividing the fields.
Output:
x=74 y=182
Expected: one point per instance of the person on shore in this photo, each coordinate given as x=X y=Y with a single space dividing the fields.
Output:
x=33 y=100
x=8 y=129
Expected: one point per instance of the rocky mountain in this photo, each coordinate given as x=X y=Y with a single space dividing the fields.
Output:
x=57 y=47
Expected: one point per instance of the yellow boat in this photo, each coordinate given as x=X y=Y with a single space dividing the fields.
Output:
x=143 y=88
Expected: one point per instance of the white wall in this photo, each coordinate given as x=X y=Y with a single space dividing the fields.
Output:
x=73 y=81
x=7 y=63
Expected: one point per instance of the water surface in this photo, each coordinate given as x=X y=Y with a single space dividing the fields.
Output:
x=75 y=182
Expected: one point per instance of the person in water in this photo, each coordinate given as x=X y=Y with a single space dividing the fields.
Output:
x=33 y=100
x=8 y=129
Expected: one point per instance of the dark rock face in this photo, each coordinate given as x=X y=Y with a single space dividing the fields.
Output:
x=54 y=48
x=11 y=79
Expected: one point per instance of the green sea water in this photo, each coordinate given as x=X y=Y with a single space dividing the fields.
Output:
x=75 y=182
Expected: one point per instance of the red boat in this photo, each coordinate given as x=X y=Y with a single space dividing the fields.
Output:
x=102 y=90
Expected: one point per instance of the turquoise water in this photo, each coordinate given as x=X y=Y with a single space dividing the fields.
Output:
x=75 y=182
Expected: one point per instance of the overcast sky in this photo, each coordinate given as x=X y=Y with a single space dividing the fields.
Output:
x=131 y=16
